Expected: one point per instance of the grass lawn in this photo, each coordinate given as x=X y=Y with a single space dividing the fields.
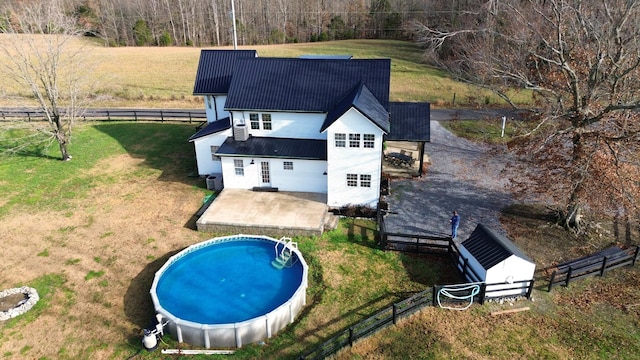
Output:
x=89 y=235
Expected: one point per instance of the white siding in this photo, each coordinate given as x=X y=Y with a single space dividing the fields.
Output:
x=213 y=103
x=206 y=165
x=233 y=181
x=286 y=125
x=343 y=161
x=306 y=176
x=512 y=269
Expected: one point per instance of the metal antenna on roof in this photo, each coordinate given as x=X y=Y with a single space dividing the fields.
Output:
x=233 y=17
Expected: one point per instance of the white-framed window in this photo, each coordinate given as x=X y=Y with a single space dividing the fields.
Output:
x=354 y=140
x=214 y=150
x=365 y=180
x=266 y=122
x=352 y=180
x=369 y=140
x=239 y=166
x=288 y=165
x=254 y=119
x=341 y=140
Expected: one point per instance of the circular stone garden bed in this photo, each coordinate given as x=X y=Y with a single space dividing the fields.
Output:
x=17 y=301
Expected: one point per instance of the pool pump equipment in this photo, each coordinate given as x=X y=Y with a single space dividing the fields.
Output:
x=151 y=336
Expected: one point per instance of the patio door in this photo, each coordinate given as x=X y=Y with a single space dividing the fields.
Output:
x=265 y=174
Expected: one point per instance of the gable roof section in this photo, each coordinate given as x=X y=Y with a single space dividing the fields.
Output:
x=215 y=70
x=490 y=248
x=307 y=149
x=409 y=121
x=212 y=128
x=304 y=85
x=363 y=100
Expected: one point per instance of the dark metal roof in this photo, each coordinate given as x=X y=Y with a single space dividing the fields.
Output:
x=212 y=128
x=215 y=70
x=328 y=56
x=308 y=149
x=304 y=85
x=363 y=100
x=490 y=248
x=409 y=121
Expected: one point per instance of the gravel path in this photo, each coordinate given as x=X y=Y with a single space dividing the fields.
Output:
x=462 y=177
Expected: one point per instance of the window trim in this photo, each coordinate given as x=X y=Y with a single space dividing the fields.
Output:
x=369 y=143
x=267 y=124
x=254 y=121
x=364 y=180
x=287 y=165
x=238 y=165
x=352 y=180
x=354 y=140
x=340 y=140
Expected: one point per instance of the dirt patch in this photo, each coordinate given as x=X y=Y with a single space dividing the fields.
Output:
x=12 y=301
x=105 y=245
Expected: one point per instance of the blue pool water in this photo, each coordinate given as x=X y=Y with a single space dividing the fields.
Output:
x=227 y=282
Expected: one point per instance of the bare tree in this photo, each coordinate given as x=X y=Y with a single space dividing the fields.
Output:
x=39 y=55
x=581 y=61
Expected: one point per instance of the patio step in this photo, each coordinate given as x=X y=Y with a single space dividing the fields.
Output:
x=330 y=221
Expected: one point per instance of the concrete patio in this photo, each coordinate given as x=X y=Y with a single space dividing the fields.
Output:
x=274 y=214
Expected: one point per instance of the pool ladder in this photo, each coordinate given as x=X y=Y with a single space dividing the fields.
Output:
x=284 y=253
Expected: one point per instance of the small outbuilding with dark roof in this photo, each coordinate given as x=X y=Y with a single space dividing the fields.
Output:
x=494 y=259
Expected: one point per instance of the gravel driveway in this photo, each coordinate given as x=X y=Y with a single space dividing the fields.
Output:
x=461 y=176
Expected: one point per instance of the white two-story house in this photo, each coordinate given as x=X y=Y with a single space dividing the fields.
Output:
x=294 y=124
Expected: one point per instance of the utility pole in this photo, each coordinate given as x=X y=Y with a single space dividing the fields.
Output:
x=233 y=18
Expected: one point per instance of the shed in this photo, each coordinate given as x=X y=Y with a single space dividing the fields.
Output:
x=495 y=259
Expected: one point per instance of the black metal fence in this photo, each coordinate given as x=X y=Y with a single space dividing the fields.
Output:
x=426 y=244
x=465 y=295
x=162 y=115
x=448 y=296
x=592 y=265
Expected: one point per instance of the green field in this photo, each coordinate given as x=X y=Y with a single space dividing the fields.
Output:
x=163 y=77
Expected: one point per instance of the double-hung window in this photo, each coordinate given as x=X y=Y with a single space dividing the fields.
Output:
x=266 y=121
x=341 y=140
x=239 y=166
x=354 y=140
x=288 y=165
x=352 y=180
x=365 y=180
x=255 y=121
x=369 y=140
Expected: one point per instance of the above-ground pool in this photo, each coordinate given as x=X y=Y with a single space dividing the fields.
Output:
x=230 y=291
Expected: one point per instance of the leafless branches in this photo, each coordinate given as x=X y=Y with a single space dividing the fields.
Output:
x=581 y=60
x=39 y=55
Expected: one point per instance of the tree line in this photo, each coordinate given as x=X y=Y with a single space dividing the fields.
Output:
x=210 y=22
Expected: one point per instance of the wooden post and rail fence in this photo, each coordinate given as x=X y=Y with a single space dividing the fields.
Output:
x=593 y=265
x=161 y=115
